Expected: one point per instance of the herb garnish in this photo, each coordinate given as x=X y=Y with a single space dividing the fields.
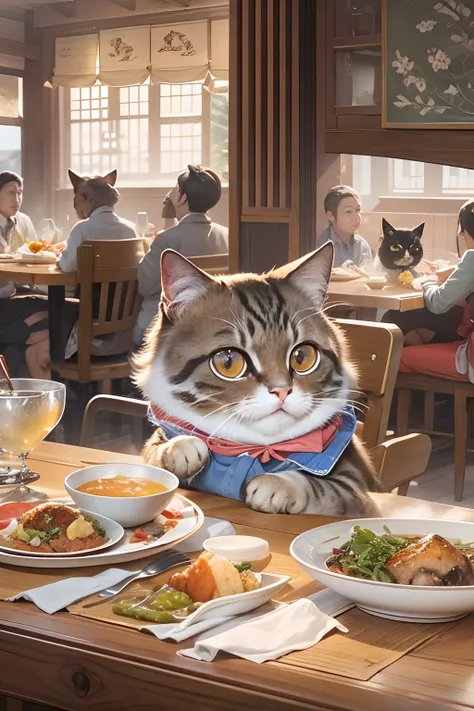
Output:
x=364 y=555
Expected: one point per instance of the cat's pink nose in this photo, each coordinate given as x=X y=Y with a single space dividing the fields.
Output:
x=281 y=393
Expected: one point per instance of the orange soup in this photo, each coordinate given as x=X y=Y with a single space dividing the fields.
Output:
x=125 y=486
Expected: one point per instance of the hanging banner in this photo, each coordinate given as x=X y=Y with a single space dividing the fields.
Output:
x=220 y=49
x=125 y=56
x=76 y=61
x=179 y=52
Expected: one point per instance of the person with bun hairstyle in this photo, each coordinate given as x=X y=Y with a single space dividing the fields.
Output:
x=442 y=292
x=197 y=191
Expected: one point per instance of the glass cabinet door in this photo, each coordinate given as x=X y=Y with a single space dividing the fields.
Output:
x=356 y=18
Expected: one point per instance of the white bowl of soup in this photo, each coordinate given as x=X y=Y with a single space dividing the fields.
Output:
x=130 y=494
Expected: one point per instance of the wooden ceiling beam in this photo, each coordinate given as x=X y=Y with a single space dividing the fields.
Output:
x=127 y=4
x=68 y=8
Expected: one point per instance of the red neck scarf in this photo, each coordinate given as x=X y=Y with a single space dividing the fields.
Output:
x=315 y=441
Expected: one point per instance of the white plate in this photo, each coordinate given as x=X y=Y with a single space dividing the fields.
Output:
x=410 y=603
x=121 y=552
x=38 y=258
x=9 y=258
x=338 y=274
x=232 y=605
x=114 y=531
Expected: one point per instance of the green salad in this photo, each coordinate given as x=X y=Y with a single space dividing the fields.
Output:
x=364 y=555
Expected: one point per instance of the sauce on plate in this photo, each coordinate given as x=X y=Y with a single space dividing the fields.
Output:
x=123 y=486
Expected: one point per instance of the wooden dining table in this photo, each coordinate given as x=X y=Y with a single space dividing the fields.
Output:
x=393 y=296
x=56 y=280
x=69 y=662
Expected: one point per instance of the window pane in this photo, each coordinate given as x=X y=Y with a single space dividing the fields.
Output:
x=408 y=175
x=10 y=158
x=10 y=96
x=358 y=77
x=186 y=100
x=457 y=179
x=220 y=134
x=185 y=146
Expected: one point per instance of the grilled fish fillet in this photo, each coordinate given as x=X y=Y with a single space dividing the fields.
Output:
x=432 y=554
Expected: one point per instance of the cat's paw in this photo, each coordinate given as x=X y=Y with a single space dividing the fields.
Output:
x=184 y=456
x=276 y=494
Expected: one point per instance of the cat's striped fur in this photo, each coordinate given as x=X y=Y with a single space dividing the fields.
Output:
x=263 y=317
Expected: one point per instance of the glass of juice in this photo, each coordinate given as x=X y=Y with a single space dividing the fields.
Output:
x=27 y=416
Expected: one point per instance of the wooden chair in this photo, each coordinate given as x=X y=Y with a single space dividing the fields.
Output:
x=113 y=266
x=375 y=350
x=463 y=394
x=212 y=263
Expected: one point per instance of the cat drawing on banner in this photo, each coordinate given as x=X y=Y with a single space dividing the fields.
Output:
x=177 y=42
x=122 y=51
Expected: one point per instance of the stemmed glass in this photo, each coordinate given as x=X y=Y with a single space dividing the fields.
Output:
x=27 y=416
x=142 y=224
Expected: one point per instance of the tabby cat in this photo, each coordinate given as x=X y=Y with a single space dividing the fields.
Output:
x=253 y=359
x=400 y=249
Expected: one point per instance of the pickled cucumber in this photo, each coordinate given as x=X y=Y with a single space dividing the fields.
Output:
x=163 y=606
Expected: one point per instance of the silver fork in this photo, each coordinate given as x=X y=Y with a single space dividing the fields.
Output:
x=168 y=559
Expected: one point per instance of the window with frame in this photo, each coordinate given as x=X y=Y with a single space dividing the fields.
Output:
x=149 y=132
x=375 y=177
x=11 y=122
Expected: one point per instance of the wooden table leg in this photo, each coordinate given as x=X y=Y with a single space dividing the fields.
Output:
x=56 y=299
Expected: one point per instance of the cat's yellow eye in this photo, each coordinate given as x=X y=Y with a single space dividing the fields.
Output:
x=304 y=359
x=396 y=247
x=228 y=364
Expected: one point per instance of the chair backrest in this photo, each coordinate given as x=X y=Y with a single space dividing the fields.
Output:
x=212 y=263
x=375 y=350
x=107 y=272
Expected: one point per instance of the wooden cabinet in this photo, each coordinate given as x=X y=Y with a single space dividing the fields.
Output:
x=349 y=77
x=354 y=63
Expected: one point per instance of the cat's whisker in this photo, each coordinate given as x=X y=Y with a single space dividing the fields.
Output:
x=300 y=311
x=224 y=422
x=221 y=408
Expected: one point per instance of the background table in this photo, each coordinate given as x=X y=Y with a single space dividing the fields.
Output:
x=56 y=280
x=76 y=663
x=357 y=293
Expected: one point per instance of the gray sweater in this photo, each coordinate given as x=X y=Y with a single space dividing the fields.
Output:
x=194 y=235
x=458 y=287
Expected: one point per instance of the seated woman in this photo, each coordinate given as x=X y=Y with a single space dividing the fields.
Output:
x=23 y=319
x=444 y=291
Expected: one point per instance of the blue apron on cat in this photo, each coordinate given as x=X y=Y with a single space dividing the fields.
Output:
x=229 y=476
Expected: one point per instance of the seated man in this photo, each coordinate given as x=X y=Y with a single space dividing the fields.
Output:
x=342 y=207
x=197 y=191
x=23 y=319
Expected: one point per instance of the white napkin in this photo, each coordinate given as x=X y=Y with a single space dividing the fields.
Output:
x=330 y=602
x=287 y=629
x=56 y=596
x=178 y=632
x=211 y=528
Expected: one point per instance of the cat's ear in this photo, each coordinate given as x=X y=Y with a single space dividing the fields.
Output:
x=76 y=180
x=387 y=229
x=418 y=231
x=111 y=178
x=310 y=274
x=181 y=282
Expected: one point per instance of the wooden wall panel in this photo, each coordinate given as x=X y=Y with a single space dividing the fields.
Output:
x=263 y=245
x=273 y=127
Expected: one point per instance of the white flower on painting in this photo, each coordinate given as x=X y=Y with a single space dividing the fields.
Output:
x=426 y=25
x=440 y=7
x=402 y=64
x=452 y=90
x=420 y=84
x=440 y=60
x=409 y=80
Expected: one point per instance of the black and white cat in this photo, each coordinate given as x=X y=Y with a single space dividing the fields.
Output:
x=400 y=249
